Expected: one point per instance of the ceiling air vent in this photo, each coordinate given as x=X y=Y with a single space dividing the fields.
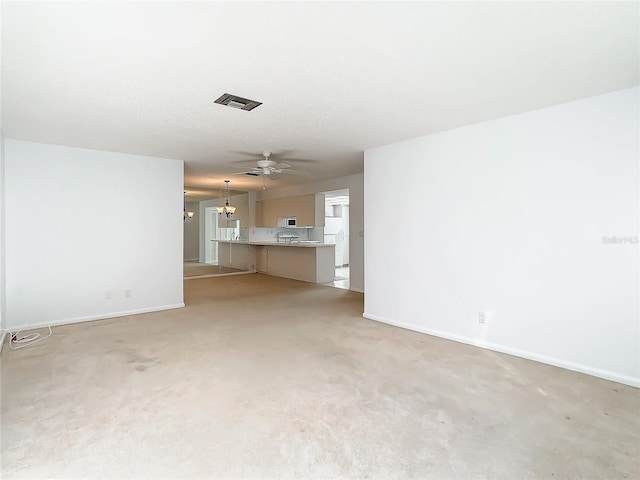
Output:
x=237 y=102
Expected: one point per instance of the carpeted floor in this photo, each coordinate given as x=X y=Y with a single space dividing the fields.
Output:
x=267 y=378
x=197 y=269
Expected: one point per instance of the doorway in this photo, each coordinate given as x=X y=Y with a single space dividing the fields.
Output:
x=211 y=233
x=336 y=231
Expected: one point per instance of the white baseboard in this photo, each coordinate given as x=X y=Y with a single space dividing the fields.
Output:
x=218 y=275
x=4 y=334
x=557 y=362
x=102 y=316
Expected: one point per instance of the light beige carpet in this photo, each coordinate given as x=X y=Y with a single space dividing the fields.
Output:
x=260 y=377
x=197 y=269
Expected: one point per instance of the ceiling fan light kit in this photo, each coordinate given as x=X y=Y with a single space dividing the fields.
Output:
x=265 y=167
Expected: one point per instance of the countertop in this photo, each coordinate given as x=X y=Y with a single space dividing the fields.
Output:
x=302 y=244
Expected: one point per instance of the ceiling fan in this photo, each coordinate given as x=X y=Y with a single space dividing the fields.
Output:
x=265 y=166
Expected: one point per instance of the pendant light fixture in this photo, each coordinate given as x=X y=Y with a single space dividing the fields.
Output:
x=227 y=210
x=186 y=215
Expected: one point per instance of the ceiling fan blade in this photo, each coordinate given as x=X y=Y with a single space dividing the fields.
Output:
x=242 y=152
x=280 y=166
x=248 y=164
x=295 y=160
x=258 y=153
x=295 y=172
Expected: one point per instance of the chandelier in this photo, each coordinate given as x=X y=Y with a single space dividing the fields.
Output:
x=186 y=215
x=227 y=210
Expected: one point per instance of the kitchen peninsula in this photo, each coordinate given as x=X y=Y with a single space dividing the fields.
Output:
x=305 y=261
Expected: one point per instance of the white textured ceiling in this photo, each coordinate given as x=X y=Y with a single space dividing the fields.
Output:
x=334 y=78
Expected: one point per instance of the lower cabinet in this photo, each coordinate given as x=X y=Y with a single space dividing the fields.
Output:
x=314 y=264
x=262 y=259
x=234 y=255
x=309 y=264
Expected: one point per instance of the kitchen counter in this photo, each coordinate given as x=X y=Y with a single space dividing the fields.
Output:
x=306 y=261
x=302 y=244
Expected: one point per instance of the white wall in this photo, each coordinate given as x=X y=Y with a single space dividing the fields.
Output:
x=509 y=216
x=81 y=223
x=355 y=184
x=191 y=237
x=3 y=301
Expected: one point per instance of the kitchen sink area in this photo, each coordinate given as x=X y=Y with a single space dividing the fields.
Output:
x=291 y=238
x=292 y=252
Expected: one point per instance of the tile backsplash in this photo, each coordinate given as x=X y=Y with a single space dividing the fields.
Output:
x=270 y=234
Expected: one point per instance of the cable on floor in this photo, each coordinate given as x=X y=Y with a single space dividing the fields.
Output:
x=16 y=342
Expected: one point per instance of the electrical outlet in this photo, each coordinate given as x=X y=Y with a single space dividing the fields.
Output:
x=127 y=294
x=485 y=316
x=107 y=295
